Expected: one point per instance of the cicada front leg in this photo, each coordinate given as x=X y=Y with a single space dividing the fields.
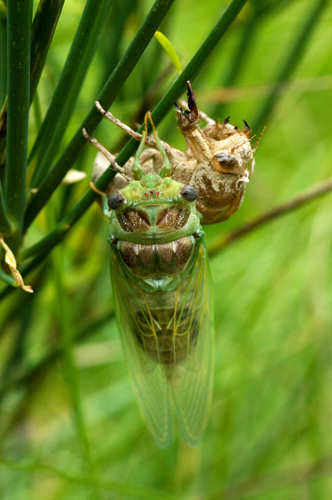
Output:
x=188 y=122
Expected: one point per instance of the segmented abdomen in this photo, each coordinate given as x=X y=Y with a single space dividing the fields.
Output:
x=164 y=309
x=164 y=326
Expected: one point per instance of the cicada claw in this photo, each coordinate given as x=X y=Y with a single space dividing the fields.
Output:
x=188 y=119
x=192 y=102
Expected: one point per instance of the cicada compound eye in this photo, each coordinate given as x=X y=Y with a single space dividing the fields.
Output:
x=189 y=193
x=227 y=162
x=115 y=201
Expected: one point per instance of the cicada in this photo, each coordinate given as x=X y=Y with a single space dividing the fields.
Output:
x=160 y=279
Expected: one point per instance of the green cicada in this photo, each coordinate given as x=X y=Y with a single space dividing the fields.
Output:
x=160 y=279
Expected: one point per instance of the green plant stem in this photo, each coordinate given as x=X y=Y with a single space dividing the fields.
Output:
x=110 y=47
x=5 y=225
x=37 y=111
x=7 y=279
x=64 y=90
x=43 y=28
x=196 y=63
x=106 y=98
x=15 y=362
x=17 y=116
x=3 y=52
x=3 y=129
x=284 y=74
x=71 y=80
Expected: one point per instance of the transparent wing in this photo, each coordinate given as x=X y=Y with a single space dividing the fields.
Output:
x=168 y=342
x=148 y=375
x=192 y=380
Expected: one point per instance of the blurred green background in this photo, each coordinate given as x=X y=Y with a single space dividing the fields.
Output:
x=69 y=426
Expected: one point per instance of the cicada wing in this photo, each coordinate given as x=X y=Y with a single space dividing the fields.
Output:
x=148 y=377
x=193 y=378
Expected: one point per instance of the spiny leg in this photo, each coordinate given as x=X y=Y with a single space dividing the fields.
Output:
x=137 y=169
x=104 y=151
x=188 y=121
x=138 y=137
x=236 y=203
x=106 y=210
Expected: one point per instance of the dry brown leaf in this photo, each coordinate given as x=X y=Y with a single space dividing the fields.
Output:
x=10 y=260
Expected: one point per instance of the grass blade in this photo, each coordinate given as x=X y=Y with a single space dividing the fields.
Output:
x=5 y=225
x=111 y=47
x=3 y=52
x=43 y=27
x=7 y=279
x=18 y=115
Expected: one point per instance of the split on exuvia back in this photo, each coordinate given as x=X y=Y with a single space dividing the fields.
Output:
x=160 y=274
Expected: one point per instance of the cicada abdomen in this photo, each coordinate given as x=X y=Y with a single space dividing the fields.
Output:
x=160 y=279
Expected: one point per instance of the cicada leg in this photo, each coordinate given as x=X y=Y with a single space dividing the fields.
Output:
x=188 y=121
x=106 y=210
x=167 y=167
x=235 y=204
x=104 y=151
x=137 y=169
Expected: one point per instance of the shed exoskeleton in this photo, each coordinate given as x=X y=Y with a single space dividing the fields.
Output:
x=218 y=161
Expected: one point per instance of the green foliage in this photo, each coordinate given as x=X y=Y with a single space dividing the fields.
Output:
x=69 y=426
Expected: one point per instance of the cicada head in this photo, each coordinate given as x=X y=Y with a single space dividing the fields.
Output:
x=157 y=207
x=230 y=147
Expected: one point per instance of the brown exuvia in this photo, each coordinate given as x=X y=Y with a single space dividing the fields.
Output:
x=218 y=161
